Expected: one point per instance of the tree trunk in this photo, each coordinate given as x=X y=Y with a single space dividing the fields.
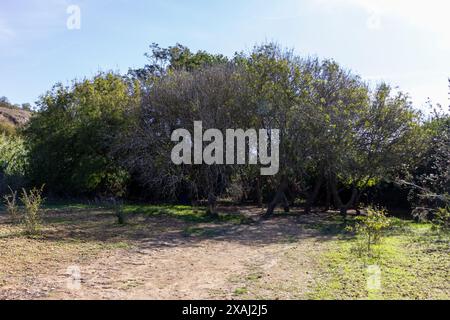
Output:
x=212 y=205
x=351 y=202
x=343 y=208
x=335 y=193
x=259 y=197
x=356 y=204
x=328 y=200
x=285 y=203
x=279 y=197
x=313 y=195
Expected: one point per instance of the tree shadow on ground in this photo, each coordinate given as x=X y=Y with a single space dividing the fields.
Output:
x=158 y=227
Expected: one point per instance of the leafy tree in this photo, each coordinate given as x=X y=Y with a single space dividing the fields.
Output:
x=387 y=138
x=4 y=103
x=70 y=139
x=358 y=137
x=430 y=181
x=13 y=162
x=176 y=101
x=174 y=58
x=337 y=135
x=26 y=106
x=277 y=88
x=334 y=130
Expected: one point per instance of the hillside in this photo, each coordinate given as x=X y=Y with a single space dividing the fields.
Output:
x=13 y=117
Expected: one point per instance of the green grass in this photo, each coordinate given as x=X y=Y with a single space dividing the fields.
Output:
x=413 y=260
x=254 y=276
x=200 y=232
x=182 y=212
x=185 y=213
x=240 y=291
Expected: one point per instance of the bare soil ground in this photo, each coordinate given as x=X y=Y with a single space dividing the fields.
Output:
x=161 y=257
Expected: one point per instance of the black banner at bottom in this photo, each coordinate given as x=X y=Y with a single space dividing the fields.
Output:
x=220 y=309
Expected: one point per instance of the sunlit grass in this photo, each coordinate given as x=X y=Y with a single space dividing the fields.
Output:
x=412 y=257
x=186 y=213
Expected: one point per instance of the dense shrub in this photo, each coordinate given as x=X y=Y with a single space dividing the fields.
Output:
x=429 y=184
x=13 y=162
x=70 y=139
x=339 y=136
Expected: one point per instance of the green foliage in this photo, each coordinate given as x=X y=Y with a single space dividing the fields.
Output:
x=163 y=61
x=13 y=155
x=4 y=103
x=7 y=129
x=71 y=140
x=429 y=183
x=32 y=200
x=441 y=219
x=186 y=213
x=104 y=135
x=369 y=228
x=13 y=162
x=412 y=258
x=240 y=291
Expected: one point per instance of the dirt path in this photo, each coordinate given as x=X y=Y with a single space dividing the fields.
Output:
x=210 y=270
x=273 y=259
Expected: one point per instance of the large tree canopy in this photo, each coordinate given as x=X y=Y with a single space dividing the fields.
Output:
x=338 y=135
x=70 y=138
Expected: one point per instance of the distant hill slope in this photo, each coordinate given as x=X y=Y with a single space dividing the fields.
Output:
x=14 y=117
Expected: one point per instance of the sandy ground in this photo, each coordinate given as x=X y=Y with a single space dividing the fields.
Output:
x=156 y=258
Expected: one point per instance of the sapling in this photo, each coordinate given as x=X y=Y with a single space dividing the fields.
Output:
x=32 y=201
x=12 y=209
x=370 y=227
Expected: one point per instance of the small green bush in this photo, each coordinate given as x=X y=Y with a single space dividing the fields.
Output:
x=442 y=219
x=369 y=228
x=32 y=201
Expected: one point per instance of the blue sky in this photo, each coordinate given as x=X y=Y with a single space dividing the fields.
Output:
x=406 y=43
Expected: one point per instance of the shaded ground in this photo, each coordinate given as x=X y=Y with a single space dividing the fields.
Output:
x=159 y=256
x=175 y=252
